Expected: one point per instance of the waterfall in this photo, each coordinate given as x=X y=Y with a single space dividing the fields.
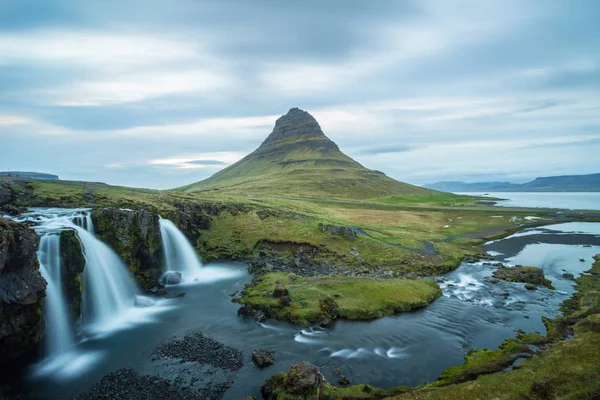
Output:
x=59 y=335
x=179 y=252
x=109 y=287
x=108 y=298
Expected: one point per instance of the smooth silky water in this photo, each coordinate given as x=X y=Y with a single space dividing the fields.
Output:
x=407 y=349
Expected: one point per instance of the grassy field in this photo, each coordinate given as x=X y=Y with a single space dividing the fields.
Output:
x=426 y=238
x=355 y=298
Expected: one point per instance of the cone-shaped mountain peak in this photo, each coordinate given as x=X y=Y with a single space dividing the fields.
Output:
x=295 y=129
x=296 y=123
x=298 y=160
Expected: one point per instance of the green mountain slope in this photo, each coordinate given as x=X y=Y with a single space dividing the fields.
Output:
x=298 y=160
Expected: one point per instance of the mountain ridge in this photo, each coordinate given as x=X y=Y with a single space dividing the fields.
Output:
x=560 y=183
x=298 y=159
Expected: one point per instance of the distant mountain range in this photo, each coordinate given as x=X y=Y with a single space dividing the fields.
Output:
x=30 y=175
x=298 y=160
x=566 y=183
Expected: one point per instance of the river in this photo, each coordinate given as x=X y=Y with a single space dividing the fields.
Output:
x=406 y=349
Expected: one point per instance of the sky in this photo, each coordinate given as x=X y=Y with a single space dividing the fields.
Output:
x=162 y=93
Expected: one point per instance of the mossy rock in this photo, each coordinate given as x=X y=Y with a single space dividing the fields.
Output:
x=527 y=275
x=72 y=266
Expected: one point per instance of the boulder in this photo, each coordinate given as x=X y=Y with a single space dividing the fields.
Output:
x=171 y=278
x=263 y=358
x=22 y=290
x=303 y=381
x=531 y=275
x=569 y=276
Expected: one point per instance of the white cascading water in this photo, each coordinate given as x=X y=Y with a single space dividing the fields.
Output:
x=108 y=290
x=179 y=254
x=109 y=287
x=58 y=331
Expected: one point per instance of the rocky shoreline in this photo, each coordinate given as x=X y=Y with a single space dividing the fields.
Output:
x=190 y=368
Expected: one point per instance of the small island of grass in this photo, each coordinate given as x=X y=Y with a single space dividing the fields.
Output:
x=319 y=300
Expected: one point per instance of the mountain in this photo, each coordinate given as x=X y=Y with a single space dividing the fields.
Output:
x=565 y=183
x=456 y=186
x=298 y=160
x=31 y=175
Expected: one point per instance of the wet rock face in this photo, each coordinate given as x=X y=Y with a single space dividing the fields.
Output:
x=301 y=382
x=135 y=236
x=5 y=195
x=22 y=290
x=72 y=266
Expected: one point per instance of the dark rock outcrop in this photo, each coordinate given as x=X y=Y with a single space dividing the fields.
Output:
x=72 y=266
x=335 y=230
x=22 y=290
x=135 y=236
x=303 y=381
x=6 y=195
x=263 y=358
x=171 y=278
x=529 y=275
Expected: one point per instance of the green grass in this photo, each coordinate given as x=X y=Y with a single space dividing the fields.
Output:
x=433 y=198
x=353 y=298
x=389 y=226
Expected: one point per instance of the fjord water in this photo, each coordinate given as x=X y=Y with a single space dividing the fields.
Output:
x=407 y=349
x=564 y=200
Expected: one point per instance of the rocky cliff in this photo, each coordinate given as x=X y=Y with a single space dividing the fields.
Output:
x=22 y=290
x=72 y=266
x=135 y=236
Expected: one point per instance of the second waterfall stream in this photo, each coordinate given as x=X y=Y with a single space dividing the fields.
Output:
x=180 y=256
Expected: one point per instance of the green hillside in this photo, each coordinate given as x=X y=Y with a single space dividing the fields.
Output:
x=298 y=160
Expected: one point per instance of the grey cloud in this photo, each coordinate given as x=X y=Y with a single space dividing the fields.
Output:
x=543 y=106
x=489 y=69
x=206 y=162
x=384 y=149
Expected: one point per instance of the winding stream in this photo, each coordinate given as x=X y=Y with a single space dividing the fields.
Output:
x=407 y=349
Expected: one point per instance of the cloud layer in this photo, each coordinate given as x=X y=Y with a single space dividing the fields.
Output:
x=156 y=94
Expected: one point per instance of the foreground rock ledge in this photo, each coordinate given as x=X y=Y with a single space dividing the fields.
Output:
x=21 y=291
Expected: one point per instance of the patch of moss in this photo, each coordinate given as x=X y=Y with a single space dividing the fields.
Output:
x=530 y=275
x=314 y=300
